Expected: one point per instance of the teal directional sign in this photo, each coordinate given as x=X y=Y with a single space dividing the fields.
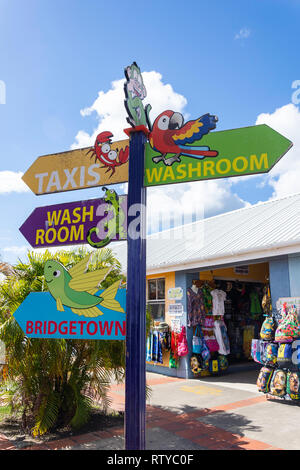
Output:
x=39 y=318
x=75 y=306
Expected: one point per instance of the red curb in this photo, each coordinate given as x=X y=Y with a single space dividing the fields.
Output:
x=61 y=443
x=253 y=445
x=239 y=404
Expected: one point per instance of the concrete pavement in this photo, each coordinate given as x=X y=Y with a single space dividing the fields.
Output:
x=223 y=412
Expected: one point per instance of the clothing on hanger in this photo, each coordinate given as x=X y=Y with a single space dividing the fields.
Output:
x=219 y=297
x=195 y=308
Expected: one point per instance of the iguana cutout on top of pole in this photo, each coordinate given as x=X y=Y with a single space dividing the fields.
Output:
x=135 y=92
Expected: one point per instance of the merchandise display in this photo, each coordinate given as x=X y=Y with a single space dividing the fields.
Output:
x=210 y=338
x=278 y=352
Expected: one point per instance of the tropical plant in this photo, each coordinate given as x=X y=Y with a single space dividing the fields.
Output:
x=55 y=382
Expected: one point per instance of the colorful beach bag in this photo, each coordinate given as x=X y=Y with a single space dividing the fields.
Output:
x=293 y=385
x=183 y=349
x=289 y=327
x=278 y=383
x=295 y=363
x=197 y=342
x=284 y=355
x=270 y=354
x=255 y=350
x=268 y=329
x=264 y=379
x=223 y=362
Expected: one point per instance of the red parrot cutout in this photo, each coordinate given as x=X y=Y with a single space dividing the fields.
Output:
x=170 y=135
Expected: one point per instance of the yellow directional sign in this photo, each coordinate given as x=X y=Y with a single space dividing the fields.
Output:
x=101 y=165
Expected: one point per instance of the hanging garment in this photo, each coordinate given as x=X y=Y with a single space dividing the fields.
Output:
x=266 y=302
x=195 y=308
x=174 y=345
x=255 y=306
x=248 y=336
x=156 y=350
x=221 y=335
x=207 y=298
x=148 y=348
x=218 y=299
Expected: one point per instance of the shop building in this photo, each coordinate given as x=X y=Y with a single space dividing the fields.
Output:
x=248 y=249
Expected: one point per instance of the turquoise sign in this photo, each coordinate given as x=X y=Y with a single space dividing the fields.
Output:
x=39 y=318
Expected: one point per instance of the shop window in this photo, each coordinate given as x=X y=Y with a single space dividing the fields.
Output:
x=156 y=298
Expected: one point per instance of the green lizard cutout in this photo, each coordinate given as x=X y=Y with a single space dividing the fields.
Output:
x=114 y=226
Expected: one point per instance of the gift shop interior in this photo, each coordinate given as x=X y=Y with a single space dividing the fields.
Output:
x=224 y=311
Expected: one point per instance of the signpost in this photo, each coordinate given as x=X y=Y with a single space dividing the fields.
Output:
x=39 y=318
x=73 y=223
x=243 y=151
x=76 y=306
x=79 y=169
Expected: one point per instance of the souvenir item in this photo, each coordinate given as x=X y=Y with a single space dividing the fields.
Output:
x=199 y=345
x=209 y=335
x=220 y=331
x=289 y=327
x=270 y=354
x=214 y=366
x=197 y=342
x=293 y=385
x=223 y=362
x=255 y=350
x=264 y=378
x=262 y=346
x=183 y=349
x=295 y=364
x=284 y=355
x=278 y=383
x=195 y=364
x=173 y=364
x=268 y=329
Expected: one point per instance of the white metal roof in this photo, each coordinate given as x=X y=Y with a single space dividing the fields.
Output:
x=263 y=230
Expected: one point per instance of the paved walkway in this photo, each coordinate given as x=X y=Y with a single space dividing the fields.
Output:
x=213 y=413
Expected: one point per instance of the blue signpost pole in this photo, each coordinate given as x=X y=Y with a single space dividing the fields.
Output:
x=135 y=382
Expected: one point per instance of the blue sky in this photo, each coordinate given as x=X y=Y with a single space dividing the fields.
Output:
x=235 y=59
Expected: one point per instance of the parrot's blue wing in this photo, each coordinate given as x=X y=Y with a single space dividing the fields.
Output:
x=194 y=130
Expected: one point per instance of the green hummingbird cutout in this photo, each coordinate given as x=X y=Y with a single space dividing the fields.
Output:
x=76 y=288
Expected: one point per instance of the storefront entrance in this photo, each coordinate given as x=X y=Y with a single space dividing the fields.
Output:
x=235 y=295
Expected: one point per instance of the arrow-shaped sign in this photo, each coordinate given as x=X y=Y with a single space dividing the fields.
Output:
x=93 y=221
x=39 y=318
x=79 y=169
x=243 y=151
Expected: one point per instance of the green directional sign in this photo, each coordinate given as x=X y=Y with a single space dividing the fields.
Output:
x=236 y=152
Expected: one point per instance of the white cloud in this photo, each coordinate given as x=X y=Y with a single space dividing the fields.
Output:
x=243 y=33
x=11 y=181
x=198 y=199
x=285 y=175
x=110 y=110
